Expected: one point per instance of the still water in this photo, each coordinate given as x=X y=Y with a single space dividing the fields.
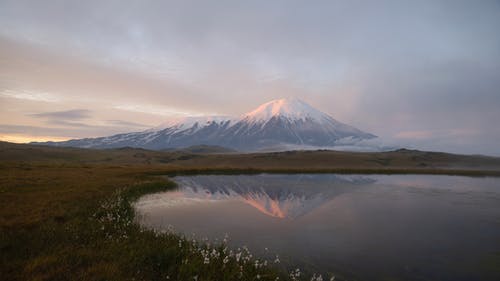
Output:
x=368 y=227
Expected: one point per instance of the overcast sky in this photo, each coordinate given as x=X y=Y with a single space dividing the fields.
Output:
x=421 y=73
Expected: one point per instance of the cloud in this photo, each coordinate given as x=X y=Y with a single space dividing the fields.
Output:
x=128 y=124
x=73 y=114
x=67 y=132
x=67 y=118
x=23 y=138
x=434 y=134
x=159 y=110
x=39 y=70
x=72 y=119
x=30 y=95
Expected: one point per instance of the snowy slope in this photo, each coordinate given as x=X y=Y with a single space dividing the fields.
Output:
x=185 y=123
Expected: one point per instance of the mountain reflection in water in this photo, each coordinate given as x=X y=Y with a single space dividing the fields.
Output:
x=280 y=196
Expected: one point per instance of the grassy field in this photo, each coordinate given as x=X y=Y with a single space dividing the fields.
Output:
x=65 y=213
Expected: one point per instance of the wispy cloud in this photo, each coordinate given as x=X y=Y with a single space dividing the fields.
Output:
x=73 y=118
x=66 y=132
x=25 y=138
x=128 y=124
x=81 y=118
x=414 y=134
x=159 y=110
x=30 y=95
x=435 y=134
x=73 y=114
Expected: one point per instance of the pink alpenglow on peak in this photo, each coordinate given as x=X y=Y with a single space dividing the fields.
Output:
x=292 y=109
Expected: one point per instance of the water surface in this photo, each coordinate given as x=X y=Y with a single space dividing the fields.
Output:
x=373 y=227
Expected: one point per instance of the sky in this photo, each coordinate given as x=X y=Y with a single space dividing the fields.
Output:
x=422 y=74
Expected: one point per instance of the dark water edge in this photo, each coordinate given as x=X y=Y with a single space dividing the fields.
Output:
x=368 y=227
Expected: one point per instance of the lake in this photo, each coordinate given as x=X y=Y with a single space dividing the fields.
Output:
x=367 y=227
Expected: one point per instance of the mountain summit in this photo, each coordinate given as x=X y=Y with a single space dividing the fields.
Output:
x=275 y=125
x=292 y=109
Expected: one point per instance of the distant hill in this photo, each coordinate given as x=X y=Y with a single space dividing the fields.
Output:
x=207 y=149
x=399 y=161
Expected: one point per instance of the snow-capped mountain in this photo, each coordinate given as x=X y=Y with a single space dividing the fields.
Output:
x=272 y=125
x=279 y=196
x=288 y=122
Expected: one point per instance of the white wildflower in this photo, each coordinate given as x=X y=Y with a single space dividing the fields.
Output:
x=277 y=259
x=238 y=256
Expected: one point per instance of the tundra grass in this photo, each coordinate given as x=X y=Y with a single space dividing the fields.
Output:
x=78 y=224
